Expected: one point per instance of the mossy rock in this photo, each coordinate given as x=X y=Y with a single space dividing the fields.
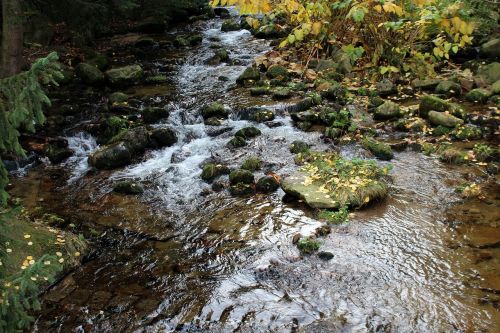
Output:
x=188 y=40
x=126 y=75
x=164 y=137
x=262 y=116
x=333 y=132
x=89 y=74
x=426 y=84
x=282 y=93
x=212 y=171
x=495 y=88
x=491 y=49
x=467 y=132
x=113 y=126
x=237 y=142
x=136 y=139
x=375 y=101
x=241 y=189
x=267 y=184
x=380 y=149
x=386 y=111
x=110 y=157
x=100 y=61
x=251 y=73
x=252 y=163
x=259 y=91
x=157 y=79
x=328 y=181
x=432 y=103
x=478 y=95
x=448 y=88
x=298 y=147
x=230 y=25
x=128 y=187
x=213 y=121
x=444 y=119
x=308 y=245
x=386 y=88
x=151 y=115
x=277 y=72
x=490 y=73
x=248 y=132
x=57 y=154
x=453 y=156
x=241 y=176
x=118 y=97
x=415 y=124
x=216 y=110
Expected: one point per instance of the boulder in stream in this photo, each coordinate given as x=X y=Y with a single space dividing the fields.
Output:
x=444 y=119
x=110 y=157
x=126 y=75
x=386 y=111
x=248 y=132
x=128 y=187
x=89 y=74
x=251 y=73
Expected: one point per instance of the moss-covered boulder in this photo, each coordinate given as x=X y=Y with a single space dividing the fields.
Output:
x=157 y=79
x=259 y=91
x=298 y=147
x=136 y=139
x=380 y=149
x=432 y=103
x=230 y=25
x=277 y=72
x=261 y=115
x=100 y=61
x=386 y=111
x=241 y=189
x=444 y=119
x=386 y=88
x=489 y=73
x=214 y=110
x=241 y=176
x=253 y=163
x=282 y=93
x=117 y=97
x=164 y=137
x=128 y=187
x=110 y=157
x=237 y=142
x=56 y=153
x=211 y=171
x=491 y=49
x=151 y=115
x=267 y=184
x=478 y=95
x=89 y=74
x=426 y=84
x=448 y=88
x=248 y=132
x=251 y=73
x=467 y=132
x=328 y=181
x=333 y=132
x=188 y=40
x=126 y=75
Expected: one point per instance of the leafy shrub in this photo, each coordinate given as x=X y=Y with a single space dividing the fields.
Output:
x=308 y=245
x=341 y=216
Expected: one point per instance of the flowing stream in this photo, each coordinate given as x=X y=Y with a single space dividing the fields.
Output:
x=181 y=258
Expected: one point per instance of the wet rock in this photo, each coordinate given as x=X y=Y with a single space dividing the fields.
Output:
x=259 y=91
x=212 y=171
x=157 y=79
x=262 y=115
x=432 y=103
x=248 y=132
x=277 y=72
x=128 y=187
x=230 y=25
x=57 y=154
x=151 y=115
x=164 y=137
x=374 y=102
x=269 y=31
x=111 y=157
x=491 y=49
x=478 y=95
x=305 y=104
x=218 y=186
x=386 y=88
x=336 y=93
x=252 y=163
x=222 y=12
x=126 y=75
x=311 y=116
x=267 y=184
x=495 y=88
x=89 y=74
x=324 y=255
x=444 y=119
x=188 y=40
x=241 y=176
x=100 y=61
x=489 y=73
x=216 y=131
x=282 y=93
x=145 y=42
x=220 y=55
x=214 y=110
x=448 y=88
x=237 y=142
x=333 y=132
x=251 y=73
x=386 y=111
x=380 y=149
x=429 y=84
x=467 y=132
x=135 y=139
x=299 y=147
x=117 y=97
x=344 y=64
x=241 y=189
x=296 y=238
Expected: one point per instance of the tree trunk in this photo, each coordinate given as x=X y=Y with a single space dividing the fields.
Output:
x=12 y=38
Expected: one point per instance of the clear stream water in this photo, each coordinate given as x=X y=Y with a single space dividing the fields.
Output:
x=176 y=260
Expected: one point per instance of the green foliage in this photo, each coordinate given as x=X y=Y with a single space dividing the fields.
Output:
x=484 y=152
x=22 y=99
x=308 y=245
x=341 y=216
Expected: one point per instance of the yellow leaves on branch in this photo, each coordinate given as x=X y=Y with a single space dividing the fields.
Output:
x=245 y=6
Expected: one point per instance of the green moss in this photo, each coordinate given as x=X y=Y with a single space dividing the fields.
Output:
x=379 y=149
x=467 y=132
x=252 y=163
x=299 y=147
x=441 y=130
x=212 y=171
x=338 y=217
x=216 y=110
x=453 y=156
x=241 y=176
x=248 y=132
x=308 y=245
x=484 y=152
x=237 y=142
